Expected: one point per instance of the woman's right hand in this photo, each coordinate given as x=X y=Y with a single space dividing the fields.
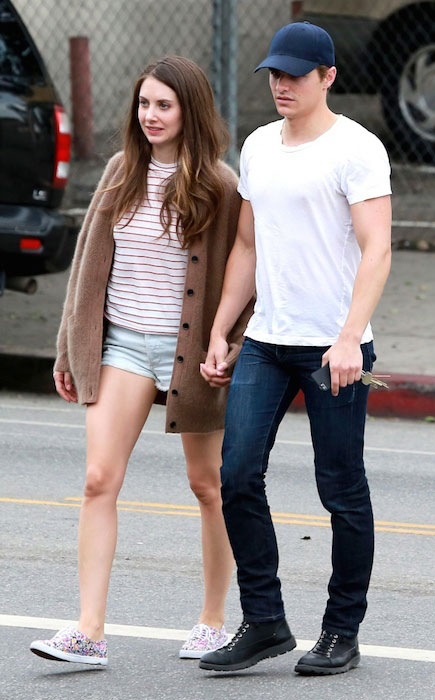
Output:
x=214 y=369
x=65 y=386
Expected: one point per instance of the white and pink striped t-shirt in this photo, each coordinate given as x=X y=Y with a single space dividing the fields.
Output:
x=146 y=284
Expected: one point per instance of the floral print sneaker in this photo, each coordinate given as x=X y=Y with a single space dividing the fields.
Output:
x=70 y=644
x=201 y=640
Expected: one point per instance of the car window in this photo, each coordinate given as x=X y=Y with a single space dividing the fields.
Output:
x=17 y=58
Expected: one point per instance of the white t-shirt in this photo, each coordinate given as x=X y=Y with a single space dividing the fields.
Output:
x=307 y=253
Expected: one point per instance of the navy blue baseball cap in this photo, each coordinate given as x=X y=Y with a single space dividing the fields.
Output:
x=298 y=48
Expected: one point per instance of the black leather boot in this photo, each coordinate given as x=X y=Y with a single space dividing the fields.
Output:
x=252 y=642
x=332 y=653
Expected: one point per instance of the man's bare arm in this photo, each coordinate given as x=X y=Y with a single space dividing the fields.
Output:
x=238 y=289
x=372 y=225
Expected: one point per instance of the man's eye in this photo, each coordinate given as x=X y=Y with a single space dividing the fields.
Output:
x=275 y=73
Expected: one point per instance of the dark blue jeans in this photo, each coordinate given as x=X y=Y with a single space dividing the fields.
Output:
x=266 y=379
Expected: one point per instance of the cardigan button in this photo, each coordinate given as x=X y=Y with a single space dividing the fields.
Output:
x=180 y=358
x=172 y=424
x=190 y=292
x=174 y=392
x=186 y=326
x=195 y=258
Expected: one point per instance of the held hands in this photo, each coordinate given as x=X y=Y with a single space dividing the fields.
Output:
x=64 y=386
x=215 y=370
x=345 y=364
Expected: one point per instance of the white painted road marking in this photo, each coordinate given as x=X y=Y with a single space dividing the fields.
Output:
x=75 y=426
x=46 y=623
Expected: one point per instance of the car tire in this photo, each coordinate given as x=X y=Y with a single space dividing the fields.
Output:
x=408 y=92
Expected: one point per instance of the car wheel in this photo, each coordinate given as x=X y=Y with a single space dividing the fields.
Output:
x=408 y=94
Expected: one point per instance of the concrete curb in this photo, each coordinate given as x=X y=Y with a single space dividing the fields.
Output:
x=408 y=396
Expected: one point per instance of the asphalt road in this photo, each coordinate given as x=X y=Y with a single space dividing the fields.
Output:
x=156 y=585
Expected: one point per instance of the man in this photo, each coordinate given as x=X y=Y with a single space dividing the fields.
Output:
x=314 y=232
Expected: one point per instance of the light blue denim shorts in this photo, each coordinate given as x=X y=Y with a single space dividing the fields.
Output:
x=147 y=354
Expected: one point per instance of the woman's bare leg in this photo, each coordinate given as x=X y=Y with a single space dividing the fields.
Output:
x=203 y=459
x=113 y=425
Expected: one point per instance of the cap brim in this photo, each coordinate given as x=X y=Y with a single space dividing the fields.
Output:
x=288 y=64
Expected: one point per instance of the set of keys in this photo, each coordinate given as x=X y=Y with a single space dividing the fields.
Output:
x=322 y=377
x=370 y=379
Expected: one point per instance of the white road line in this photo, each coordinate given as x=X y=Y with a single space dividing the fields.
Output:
x=366 y=447
x=63 y=407
x=414 y=224
x=75 y=426
x=49 y=424
x=302 y=443
x=45 y=623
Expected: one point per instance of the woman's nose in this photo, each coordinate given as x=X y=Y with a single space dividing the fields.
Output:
x=150 y=114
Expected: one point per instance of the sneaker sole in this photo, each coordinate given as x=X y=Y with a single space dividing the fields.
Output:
x=269 y=653
x=306 y=670
x=47 y=652
x=195 y=654
x=191 y=654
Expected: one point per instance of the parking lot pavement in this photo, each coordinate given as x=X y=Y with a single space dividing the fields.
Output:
x=156 y=585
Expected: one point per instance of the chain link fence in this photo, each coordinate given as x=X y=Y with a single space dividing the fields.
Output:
x=385 y=55
x=124 y=37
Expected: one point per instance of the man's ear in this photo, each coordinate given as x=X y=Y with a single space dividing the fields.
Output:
x=330 y=77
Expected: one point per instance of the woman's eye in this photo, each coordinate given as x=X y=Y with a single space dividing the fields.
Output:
x=164 y=105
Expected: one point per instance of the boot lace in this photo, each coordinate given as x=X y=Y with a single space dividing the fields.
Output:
x=238 y=636
x=325 y=644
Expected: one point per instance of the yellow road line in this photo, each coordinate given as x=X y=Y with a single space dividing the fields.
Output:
x=31 y=501
x=145 y=504
x=187 y=514
x=296 y=521
x=193 y=512
x=404 y=531
x=299 y=516
x=387 y=522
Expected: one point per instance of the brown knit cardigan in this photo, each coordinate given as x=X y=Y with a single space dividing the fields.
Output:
x=192 y=405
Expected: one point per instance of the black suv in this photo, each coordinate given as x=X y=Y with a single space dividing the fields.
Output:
x=35 y=140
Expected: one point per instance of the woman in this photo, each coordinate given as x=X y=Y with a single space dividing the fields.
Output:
x=145 y=284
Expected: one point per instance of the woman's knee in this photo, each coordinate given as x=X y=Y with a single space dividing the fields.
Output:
x=205 y=485
x=100 y=482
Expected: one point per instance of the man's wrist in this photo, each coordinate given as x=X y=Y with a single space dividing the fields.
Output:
x=218 y=334
x=350 y=336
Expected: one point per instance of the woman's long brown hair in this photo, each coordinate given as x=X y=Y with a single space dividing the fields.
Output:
x=195 y=190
